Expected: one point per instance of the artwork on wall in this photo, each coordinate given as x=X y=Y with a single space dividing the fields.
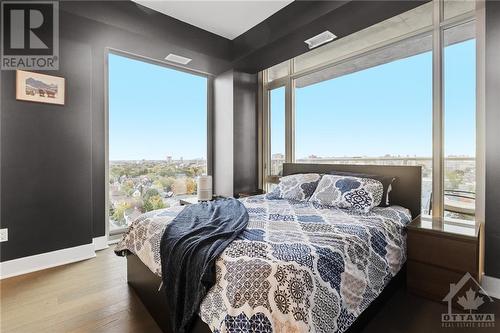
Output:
x=35 y=87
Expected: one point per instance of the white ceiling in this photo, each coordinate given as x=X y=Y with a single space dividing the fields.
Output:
x=228 y=19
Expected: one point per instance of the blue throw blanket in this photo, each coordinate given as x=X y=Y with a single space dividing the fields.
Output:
x=188 y=249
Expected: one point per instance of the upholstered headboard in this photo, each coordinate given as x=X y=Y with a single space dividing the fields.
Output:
x=406 y=190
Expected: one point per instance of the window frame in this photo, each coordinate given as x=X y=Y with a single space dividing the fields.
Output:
x=116 y=234
x=436 y=30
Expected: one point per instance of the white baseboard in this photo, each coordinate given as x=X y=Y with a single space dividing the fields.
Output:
x=491 y=285
x=100 y=243
x=46 y=260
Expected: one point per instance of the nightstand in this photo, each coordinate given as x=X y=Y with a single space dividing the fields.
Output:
x=440 y=252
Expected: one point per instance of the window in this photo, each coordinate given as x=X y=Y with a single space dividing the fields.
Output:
x=277 y=132
x=375 y=97
x=157 y=136
x=278 y=71
x=365 y=116
x=459 y=64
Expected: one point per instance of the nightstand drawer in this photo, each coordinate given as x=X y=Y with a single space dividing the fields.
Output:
x=450 y=253
x=430 y=281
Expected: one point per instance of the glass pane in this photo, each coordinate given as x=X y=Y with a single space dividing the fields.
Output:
x=278 y=71
x=397 y=26
x=460 y=122
x=369 y=111
x=157 y=137
x=452 y=8
x=277 y=130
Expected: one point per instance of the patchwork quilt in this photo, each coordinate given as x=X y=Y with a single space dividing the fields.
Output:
x=298 y=267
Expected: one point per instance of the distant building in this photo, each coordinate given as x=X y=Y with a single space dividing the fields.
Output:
x=278 y=156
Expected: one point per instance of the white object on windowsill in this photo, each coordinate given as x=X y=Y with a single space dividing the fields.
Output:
x=204 y=188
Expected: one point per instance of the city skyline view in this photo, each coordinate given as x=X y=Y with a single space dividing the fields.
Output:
x=157 y=137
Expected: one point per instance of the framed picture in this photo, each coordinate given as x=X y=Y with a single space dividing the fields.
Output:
x=35 y=87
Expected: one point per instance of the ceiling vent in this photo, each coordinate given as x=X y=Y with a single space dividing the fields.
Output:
x=322 y=38
x=178 y=59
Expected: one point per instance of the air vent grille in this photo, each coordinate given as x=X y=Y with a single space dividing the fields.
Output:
x=178 y=59
x=322 y=38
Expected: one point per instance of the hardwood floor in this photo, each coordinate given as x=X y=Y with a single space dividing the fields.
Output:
x=93 y=296
x=409 y=313
x=88 y=296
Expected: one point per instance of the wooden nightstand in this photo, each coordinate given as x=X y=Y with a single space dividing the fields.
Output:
x=439 y=253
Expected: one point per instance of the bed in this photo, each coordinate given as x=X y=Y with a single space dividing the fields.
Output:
x=298 y=266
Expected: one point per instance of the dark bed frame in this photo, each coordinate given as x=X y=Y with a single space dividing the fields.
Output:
x=406 y=192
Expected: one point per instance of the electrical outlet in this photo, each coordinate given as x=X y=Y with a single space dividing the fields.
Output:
x=4 y=235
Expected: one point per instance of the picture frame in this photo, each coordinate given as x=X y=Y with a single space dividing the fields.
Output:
x=40 y=88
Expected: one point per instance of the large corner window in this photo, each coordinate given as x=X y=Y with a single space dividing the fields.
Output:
x=357 y=113
x=157 y=132
x=401 y=92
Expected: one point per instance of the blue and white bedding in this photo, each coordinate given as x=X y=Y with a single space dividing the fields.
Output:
x=298 y=267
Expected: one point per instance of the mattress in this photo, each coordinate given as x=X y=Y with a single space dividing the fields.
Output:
x=298 y=267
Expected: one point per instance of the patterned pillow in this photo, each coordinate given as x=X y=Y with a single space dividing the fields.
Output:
x=295 y=187
x=360 y=194
x=386 y=181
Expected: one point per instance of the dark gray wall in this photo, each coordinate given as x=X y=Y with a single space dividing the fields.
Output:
x=492 y=224
x=46 y=162
x=245 y=150
x=53 y=157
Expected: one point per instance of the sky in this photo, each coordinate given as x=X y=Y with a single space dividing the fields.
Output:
x=382 y=110
x=155 y=112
